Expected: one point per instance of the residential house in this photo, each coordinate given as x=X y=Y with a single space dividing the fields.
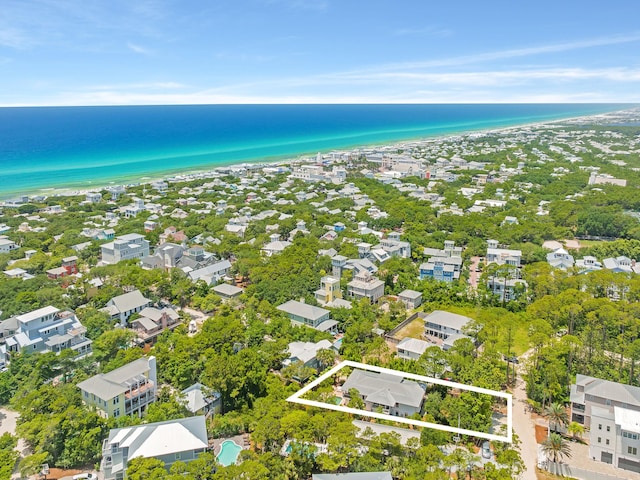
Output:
x=201 y=400
x=305 y=352
x=125 y=391
x=125 y=305
x=506 y=288
x=412 y=348
x=7 y=245
x=619 y=264
x=442 y=265
x=588 y=264
x=365 y=285
x=561 y=259
x=227 y=292
x=329 y=290
x=125 y=247
x=611 y=412
x=445 y=326
x=410 y=298
x=152 y=322
x=174 y=440
x=502 y=256
x=392 y=393
x=211 y=274
x=304 y=314
x=275 y=245
x=93 y=197
x=47 y=329
x=394 y=246
x=166 y=256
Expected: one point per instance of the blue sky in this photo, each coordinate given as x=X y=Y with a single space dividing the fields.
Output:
x=94 y=52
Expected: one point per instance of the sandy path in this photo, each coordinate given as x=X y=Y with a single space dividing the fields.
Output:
x=524 y=427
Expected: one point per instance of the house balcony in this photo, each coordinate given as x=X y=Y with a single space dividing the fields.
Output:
x=139 y=390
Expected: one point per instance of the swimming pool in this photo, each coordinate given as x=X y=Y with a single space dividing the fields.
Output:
x=229 y=451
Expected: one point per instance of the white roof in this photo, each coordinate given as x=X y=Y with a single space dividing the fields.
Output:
x=41 y=312
x=628 y=420
x=162 y=438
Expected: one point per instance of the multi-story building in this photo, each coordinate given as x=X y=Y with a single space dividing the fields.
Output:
x=365 y=285
x=125 y=247
x=123 y=306
x=611 y=412
x=443 y=265
x=445 y=326
x=47 y=329
x=127 y=390
x=329 y=290
x=174 y=440
x=502 y=256
x=7 y=245
x=304 y=314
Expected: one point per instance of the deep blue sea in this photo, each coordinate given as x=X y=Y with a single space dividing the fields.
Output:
x=73 y=147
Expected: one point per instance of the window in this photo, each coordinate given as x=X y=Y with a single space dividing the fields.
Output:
x=599 y=426
x=599 y=439
x=607 y=401
x=607 y=441
x=632 y=450
x=116 y=412
x=608 y=428
x=116 y=400
x=86 y=394
x=178 y=456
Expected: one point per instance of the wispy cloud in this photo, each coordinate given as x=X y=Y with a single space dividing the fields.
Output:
x=498 y=77
x=138 y=49
x=514 y=53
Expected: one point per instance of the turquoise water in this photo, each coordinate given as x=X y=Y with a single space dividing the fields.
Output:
x=229 y=451
x=71 y=147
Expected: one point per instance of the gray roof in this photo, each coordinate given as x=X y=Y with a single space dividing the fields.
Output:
x=198 y=396
x=227 y=290
x=606 y=389
x=305 y=351
x=381 y=388
x=303 y=310
x=129 y=301
x=353 y=476
x=414 y=345
x=111 y=384
x=411 y=294
x=448 y=319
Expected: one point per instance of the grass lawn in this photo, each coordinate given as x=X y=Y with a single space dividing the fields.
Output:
x=414 y=330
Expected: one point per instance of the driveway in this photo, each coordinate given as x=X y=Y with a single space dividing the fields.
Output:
x=523 y=425
x=8 y=419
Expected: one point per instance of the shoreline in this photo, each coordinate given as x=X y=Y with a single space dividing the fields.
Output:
x=203 y=171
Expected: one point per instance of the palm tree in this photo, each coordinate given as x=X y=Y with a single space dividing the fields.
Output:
x=556 y=414
x=556 y=447
x=575 y=429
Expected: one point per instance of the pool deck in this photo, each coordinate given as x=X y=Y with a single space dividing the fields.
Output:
x=241 y=440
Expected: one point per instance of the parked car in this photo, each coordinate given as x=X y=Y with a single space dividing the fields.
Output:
x=85 y=476
x=486 y=450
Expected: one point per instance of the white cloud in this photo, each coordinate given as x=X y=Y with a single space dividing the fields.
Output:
x=138 y=49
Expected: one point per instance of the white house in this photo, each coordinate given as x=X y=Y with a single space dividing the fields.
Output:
x=184 y=440
x=125 y=247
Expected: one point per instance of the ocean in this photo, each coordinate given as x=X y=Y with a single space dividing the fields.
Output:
x=79 y=147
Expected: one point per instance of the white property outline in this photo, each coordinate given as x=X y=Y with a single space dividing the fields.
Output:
x=296 y=398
